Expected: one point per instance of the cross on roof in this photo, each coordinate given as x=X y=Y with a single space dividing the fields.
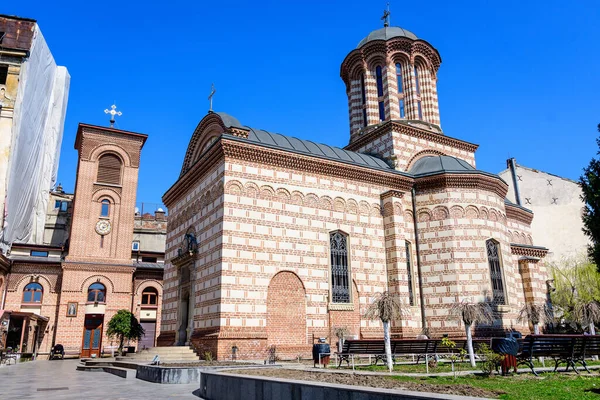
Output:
x=113 y=112
x=210 y=96
x=386 y=16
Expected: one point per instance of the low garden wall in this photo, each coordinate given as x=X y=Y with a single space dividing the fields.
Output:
x=223 y=386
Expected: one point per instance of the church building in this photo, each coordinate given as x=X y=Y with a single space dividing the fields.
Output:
x=274 y=240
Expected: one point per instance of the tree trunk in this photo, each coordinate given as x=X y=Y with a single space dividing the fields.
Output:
x=121 y=342
x=536 y=329
x=592 y=329
x=388 y=347
x=470 y=345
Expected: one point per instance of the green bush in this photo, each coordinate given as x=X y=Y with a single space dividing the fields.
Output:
x=490 y=359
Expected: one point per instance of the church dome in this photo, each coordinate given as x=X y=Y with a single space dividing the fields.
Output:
x=431 y=165
x=386 y=34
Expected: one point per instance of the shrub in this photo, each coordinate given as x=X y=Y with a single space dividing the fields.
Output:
x=208 y=357
x=490 y=359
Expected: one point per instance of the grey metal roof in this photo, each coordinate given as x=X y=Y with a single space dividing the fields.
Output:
x=149 y=265
x=307 y=147
x=229 y=121
x=386 y=34
x=437 y=164
x=510 y=203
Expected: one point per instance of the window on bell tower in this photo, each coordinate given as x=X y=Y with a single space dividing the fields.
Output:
x=379 y=78
x=363 y=90
x=400 y=90
x=109 y=169
x=105 y=208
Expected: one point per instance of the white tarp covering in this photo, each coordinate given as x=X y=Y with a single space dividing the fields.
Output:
x=38 y=125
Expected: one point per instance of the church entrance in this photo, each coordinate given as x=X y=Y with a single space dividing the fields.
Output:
x=92 y=335
x=183 y=318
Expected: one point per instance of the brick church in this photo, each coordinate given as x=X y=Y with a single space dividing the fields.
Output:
x=275 y=240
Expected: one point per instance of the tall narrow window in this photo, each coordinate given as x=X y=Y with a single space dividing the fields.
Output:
x=109 y=169
x=340 y=279
x=364 y=99
x=401 y=101
x=419 y=109
x=495 y=272
x=105 y=208
x=399 y=77
x=379 y=77
x=417 y=86
x=411 y=294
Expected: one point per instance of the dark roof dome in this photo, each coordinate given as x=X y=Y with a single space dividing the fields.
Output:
x=438 y=164
x=386 y=34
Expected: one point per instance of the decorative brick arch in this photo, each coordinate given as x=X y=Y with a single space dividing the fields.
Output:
x=286 y=310
x=423 y=153
x=153 y=283
x=111 y=149
x=98 y=278
x=27 y=279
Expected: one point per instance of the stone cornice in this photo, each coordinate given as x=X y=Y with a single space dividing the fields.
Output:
x=83 y=266
x=471 y=180
x=392 y=193
x=394 y=126
x=284 y=159
x=528 y=251
x=518 y=213
x=184 y=258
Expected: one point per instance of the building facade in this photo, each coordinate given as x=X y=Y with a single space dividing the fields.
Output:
x=33 y=102
x=99 y=257
x=558 y=208
x=275 y=241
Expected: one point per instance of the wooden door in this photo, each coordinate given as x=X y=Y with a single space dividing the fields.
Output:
x=92 y=336
x=147 y=341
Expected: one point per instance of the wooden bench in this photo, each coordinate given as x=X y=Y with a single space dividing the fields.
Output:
x=402 y=347
x=570 y=349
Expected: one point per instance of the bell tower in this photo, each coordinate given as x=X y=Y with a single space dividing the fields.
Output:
x=105 y=194
x=391 y=75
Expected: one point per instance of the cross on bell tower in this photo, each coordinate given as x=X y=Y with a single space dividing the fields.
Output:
x=113 y=112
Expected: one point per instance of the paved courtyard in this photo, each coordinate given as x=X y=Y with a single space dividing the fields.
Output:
x=60 y=380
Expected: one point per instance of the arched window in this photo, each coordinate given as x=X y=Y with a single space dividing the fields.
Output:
x=417 y=87
x=363 y=90
x=379 y=78
x=340 y=274
x=411 y=294
x=105 y=208
x=400 y=89
x=150 y=297
x=399 y=77
x=96 y=293
x=33 y=293
x=418 y=91
x=109 y=169
x=493 y=253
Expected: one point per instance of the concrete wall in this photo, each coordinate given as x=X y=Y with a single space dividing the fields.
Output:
x=557 y=209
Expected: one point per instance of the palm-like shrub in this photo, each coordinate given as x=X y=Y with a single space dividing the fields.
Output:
x=386 y=307
x=470 y=313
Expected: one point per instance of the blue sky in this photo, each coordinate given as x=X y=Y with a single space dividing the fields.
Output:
x=520 y=78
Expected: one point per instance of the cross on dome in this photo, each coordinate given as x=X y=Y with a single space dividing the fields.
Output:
x=386 y=16
x=113 y=112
